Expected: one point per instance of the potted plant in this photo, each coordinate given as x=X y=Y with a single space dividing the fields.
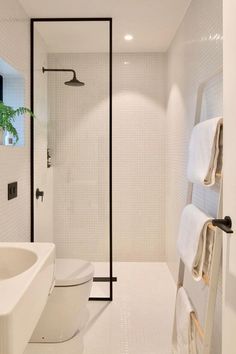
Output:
x=7 y=117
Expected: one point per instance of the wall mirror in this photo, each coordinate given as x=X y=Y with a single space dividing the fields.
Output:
x=71 y=161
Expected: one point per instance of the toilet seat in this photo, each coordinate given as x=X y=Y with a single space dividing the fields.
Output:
x=72 y=271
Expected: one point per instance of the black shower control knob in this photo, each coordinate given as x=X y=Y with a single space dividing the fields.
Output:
x=39 y=194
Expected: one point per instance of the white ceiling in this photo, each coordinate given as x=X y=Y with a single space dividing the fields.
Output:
x=152 y=23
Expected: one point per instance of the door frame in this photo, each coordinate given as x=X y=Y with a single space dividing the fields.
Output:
x=109 y=279
x=229 y=201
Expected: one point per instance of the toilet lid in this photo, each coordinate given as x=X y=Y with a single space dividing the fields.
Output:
x=72 y=271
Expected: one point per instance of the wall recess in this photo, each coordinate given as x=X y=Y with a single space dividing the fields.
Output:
x=12 y=94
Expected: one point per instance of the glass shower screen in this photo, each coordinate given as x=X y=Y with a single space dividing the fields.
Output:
x=71 y=141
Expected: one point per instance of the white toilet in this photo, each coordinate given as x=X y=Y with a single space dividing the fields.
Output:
x=65 y=312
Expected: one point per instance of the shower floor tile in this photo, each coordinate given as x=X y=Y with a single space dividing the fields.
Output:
x=138 y=321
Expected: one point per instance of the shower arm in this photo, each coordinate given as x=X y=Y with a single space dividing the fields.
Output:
x=73 y=82
x=62 y=70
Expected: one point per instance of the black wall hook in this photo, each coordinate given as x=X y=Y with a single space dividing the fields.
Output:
x=224 y=224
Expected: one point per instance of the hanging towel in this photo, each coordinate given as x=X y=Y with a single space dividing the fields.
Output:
x=184 y=338
x=204 y=151
x=195 y=241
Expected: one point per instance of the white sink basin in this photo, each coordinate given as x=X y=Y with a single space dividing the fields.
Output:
x=14 y=261
x=26 y=279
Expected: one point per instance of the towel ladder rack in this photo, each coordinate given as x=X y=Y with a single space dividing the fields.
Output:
x=206 y=279
x=211 y=227
x=210 y=280
x=197 y=325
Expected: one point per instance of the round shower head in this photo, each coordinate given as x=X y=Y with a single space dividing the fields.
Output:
x=74 y=82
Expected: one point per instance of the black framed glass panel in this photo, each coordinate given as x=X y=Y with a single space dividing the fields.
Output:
x=71 y=141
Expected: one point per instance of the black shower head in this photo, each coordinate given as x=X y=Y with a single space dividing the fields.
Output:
x=73 y=82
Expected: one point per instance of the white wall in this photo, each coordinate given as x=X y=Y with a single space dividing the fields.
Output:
x=15 y=162
x=79 y=142
x=194 y=55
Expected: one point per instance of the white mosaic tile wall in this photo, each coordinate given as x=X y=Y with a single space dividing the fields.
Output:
x=15 y=162
x=79 y=141
x=139 y=156
x=78 y=138
x=194 y=55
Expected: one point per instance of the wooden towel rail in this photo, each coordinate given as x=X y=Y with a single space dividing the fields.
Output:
x=197 y=325
x=211 y=280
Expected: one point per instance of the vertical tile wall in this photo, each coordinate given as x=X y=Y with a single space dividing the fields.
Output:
x=79 y=139
x=15 y=161
x=139 y=156
x=194 y=55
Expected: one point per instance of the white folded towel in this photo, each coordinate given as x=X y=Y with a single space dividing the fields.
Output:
x=195 y=240
x=184 y=338
x=204 y=151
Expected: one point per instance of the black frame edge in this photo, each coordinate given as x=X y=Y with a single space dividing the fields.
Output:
x=79 y=19
x=32 y=130
x=110 y=158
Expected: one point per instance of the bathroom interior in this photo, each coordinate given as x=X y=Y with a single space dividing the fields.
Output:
x=100 y=172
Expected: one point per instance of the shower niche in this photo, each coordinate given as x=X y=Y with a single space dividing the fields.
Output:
x=71 y=82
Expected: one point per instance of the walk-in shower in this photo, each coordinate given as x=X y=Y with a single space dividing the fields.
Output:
x=76 y=127
x=73 y=82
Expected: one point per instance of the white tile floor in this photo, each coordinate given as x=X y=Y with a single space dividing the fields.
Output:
x=138 y=321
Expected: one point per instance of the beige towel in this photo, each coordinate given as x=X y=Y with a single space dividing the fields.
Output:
x=204 y=150
x=184 y=338
x=195 y=241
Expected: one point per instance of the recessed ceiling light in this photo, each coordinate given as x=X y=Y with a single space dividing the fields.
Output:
x=128 y=37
